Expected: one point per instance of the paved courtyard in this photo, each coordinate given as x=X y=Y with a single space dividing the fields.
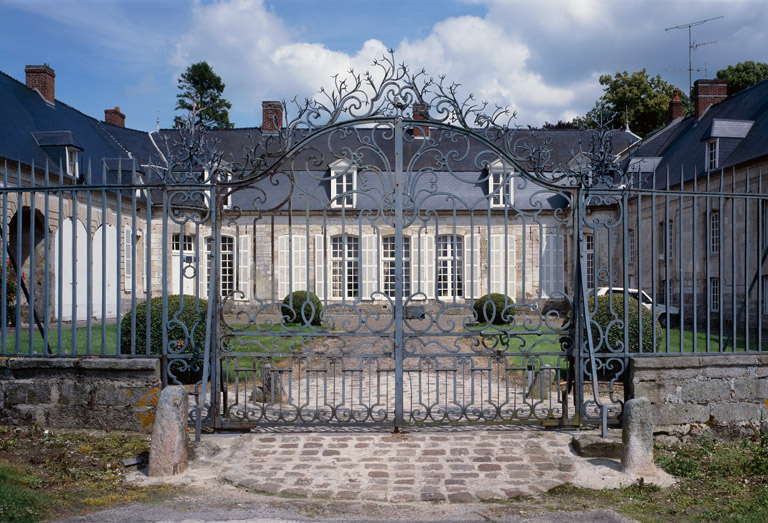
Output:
x=456 y=464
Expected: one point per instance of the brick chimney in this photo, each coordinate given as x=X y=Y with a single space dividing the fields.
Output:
x=272 y=116
x=114 y=117
x=675 y=107
x=42 y=78
x=420 y=113
x=709 y=92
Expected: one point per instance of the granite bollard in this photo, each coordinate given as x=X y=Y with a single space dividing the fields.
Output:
x=168 y=447
x=637 y=438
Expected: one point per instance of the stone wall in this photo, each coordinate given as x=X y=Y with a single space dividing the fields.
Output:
x=95 y=393
x=723 y=396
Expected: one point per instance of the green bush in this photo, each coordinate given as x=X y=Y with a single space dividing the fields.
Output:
x=194 y=321
x=614 y=332
x=305 y=309
x=495 y=308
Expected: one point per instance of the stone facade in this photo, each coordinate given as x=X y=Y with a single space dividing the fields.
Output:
x=724 y=396
x=92 y=393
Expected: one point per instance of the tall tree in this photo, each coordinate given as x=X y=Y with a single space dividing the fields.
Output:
x=201 y=96
x=743 y=75
x=642 y=99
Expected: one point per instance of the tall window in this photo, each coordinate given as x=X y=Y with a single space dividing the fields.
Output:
x=714 y=232
x=343 y=183
x=72 y=164
x=450 y=266
x=227 y=267
x=551 y=279
x=500 y=185
x=666 y=239
x=589 y=240
x=631 y=241
x=388 y=256
x=712 y=154
x=714 y=290
x=345 y=267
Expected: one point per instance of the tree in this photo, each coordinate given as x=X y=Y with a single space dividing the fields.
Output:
x=201 y=96
x=743 y=75
x=561 y=125
x=637 y=96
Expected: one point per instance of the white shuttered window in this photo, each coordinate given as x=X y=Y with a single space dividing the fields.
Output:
x=551 y=277
x=503 y=264
x=291 y=257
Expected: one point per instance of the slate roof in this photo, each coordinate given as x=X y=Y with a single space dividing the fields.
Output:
x=739 y=122
x=448 y=176
x=33 y=129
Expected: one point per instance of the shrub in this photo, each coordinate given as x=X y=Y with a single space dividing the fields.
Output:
x=614 y=332
x=194 y=321
x=307 y=308
x=494 y=308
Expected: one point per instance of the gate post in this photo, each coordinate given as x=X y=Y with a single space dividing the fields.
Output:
x=398 y=273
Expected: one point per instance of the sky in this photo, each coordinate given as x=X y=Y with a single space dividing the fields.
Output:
x=542 y=58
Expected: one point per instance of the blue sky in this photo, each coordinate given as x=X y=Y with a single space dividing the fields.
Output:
x=542 y=58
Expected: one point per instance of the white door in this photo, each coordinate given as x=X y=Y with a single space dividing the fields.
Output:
x=105 y=278
x=186 y=267
x=69 y=244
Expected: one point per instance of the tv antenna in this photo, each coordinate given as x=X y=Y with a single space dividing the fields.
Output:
x=692 y=46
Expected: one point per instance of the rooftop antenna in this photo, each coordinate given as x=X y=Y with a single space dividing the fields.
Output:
x=692 y=46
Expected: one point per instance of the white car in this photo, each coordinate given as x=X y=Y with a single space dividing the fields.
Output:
x=659 y=309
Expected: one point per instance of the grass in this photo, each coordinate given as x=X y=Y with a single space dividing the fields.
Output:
x=60 y=473
x=717 y=481
x=110 y=341
x=20 y=495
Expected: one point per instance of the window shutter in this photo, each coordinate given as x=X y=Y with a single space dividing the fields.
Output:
x=128 y=259
x=369 y=273
x=426 y=263
x=320 y=267
x=282 y=267
x=497 y=263
x=472 y=265
x=202 y=266
x=510 y=261
x=299 y=261
x=244 y=267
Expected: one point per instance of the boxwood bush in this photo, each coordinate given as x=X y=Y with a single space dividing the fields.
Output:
x=304 y=309
x=491 y=309
x=614 y=332
x=194 y=321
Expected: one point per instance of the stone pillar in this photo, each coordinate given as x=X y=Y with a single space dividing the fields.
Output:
x=637 y=438
x=168 y=448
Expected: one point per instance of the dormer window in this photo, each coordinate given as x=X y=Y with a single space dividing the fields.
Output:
x=500 y=189
x=712 y=153
x=72 y=165
x=343 y=183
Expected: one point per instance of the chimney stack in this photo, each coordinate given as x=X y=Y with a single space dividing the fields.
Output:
x=420 y=112
x=709 y=92
x=114 y=117
x=272 y=117
x=675 y=110
x=43 y=79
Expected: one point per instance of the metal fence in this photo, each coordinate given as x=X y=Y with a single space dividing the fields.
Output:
x=400 y=220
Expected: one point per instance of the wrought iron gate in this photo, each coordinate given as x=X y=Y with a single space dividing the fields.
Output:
x=400 y=212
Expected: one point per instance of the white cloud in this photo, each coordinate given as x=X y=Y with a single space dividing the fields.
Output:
x=259 y=61
x=541 y=58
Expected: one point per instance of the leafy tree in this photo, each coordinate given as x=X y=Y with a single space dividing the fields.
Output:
x=573 y=124
x=743 y=75
x=641 y=98
x=201 y=96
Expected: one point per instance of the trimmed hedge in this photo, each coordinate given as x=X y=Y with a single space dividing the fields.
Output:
x=614 y=333
x=193 y=320
x=491 y=309
x=305 y=309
